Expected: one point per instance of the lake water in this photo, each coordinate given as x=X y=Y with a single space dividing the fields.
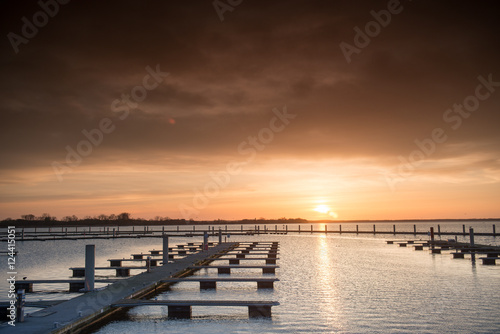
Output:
x=328 y=283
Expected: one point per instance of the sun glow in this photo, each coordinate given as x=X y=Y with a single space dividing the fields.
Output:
x=322 y=209
x=326 y=210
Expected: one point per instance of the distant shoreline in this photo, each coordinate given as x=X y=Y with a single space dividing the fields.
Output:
x=139 y=222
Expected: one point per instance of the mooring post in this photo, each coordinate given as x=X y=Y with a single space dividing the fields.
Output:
x=148 y=264
x=205 y=241
x=471 y=236
x=394 y=229
x=165 y=249
x=326 y=228
x=114 y=233
x=432 y=234
x=311 y=229
x=374 y=229
x=357 y=229
x=276 y=228
x=340 y=229
x=22 y=234
x=194 y=228
x=299 y=228
x=89 y=267
x=463 y=228
x=241 y=228
x=220 y=235
x=21 y=299
x=494 y=232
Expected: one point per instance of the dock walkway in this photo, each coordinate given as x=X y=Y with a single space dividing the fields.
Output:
x=75 y=312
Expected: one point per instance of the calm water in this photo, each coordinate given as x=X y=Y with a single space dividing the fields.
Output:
x=344 y=284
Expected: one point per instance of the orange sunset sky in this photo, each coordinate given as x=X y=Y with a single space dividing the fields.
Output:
x=311 y=109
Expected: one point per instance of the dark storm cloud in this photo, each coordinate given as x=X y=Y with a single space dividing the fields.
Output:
x=225 y=77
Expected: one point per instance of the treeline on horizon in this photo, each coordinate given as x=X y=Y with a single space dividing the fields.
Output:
x=125 y=219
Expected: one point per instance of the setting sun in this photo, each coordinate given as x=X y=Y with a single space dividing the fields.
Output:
x=326 y=210
x=322 y=209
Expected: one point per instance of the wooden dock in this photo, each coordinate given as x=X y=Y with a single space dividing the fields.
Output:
x=76 y=314
x=181 y=309
x=211 y=282
x=457 y=249
x=267 y=269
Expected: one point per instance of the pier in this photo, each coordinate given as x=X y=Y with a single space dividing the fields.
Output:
x=76 y=314
x=457 y=249
x=114 y=232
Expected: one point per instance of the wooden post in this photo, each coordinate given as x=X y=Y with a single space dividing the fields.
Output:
x=463 y=228
x=340 y=229
x=432 y=233
x=311 y=229
x=326 y=228
x=471 y=236
x=394 y=229
x=357 y=229
x=89 y=267
x=205 y=241
x=494 y=232
x=414 y=229
x=220 y=235
x=493 y=228
x=148 y=264
x=165 y=249
x=374 y=229
x=439 y=230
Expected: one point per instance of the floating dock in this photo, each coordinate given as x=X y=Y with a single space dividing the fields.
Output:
x=76 y=313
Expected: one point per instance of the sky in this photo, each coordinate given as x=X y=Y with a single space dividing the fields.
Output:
x=248 y=109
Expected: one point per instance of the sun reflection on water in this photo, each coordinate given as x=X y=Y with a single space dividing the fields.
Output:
x=326 y=281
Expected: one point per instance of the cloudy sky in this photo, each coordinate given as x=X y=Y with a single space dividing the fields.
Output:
x=248 y=109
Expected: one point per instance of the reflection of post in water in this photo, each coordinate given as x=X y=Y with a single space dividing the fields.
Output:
x=471 y=235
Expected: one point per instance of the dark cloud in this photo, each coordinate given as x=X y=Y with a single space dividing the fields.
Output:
x=226 y=77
